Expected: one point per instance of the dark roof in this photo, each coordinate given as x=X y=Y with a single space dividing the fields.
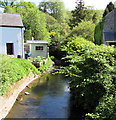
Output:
x=10 y=20
x=110 y=21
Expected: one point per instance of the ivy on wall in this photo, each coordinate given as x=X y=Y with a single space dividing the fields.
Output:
x=98 y=33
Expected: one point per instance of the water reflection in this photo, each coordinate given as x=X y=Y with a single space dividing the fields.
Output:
x=49 y=98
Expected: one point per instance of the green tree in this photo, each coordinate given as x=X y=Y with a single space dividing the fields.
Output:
x=34 y=21
x=54 y=8
x=108 y=9
x=28 y=35
x=77 y=13
x=84 y=29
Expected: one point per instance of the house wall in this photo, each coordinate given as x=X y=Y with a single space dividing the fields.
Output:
x=36 y=53
x=11 y=35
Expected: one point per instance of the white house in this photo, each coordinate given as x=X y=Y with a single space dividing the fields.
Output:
x=38 y=48
x=11 y=35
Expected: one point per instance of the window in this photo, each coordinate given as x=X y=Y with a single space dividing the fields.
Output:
x=39 y=48
x=10 y=48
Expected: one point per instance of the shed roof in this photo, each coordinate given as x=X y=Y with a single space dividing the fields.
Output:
x=10 y=20
x=37 y=41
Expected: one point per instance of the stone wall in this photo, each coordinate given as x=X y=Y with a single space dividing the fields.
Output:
x=8 y=99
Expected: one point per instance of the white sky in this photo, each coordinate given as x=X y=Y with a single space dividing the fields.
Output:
x=70 y=4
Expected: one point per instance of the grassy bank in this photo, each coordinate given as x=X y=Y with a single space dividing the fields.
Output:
x=14 y=69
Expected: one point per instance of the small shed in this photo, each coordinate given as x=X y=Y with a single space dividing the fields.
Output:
x=38 y=48
x=11 y=35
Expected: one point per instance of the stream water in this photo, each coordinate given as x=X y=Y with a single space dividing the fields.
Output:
x=49 y=98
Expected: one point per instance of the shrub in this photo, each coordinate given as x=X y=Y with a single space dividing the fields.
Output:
x=92 y=70
x=45 y=65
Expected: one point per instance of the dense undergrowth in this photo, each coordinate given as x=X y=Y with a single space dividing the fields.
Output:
x=45 y=65
x=92 y=70
x=13 y=69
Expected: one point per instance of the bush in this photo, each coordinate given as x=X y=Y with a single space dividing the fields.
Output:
x=45 y=65
x=36 y=59
x=92 y=70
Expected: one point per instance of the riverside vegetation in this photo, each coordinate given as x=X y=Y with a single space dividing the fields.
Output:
x=92 y=68
x=14 y=69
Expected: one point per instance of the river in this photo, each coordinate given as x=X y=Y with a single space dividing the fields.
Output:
x=48 y=97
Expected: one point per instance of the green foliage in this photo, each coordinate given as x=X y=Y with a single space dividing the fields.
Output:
x=92 y=15
x=82 y=13
x=36 y=59
x=5 y=3
x=92 y=70
x=50 y=20
x=78 y=14
x=54 y=8
x=27 y=35
x=108 y=9
x=34 y=20
x=98 y=33
x=84 y=29
x=52 y=58
x=10 y=9
x=12 y=70
x=45 y=65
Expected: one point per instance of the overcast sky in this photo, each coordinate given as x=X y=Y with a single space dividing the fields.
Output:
x=70 y=4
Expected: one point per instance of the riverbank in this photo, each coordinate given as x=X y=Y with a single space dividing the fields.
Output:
x=15 y=75
x=46 y=99
x=7 y=100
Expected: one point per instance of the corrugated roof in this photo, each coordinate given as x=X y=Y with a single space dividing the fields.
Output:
x=9 y=19
x=37 y=41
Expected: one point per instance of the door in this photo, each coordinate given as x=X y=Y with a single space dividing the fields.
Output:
x=10 y=48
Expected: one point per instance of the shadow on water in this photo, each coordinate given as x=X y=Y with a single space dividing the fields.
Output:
x=49 y=98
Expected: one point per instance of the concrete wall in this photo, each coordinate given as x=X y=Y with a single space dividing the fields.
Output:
x=36 y=53
x=11 y=35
